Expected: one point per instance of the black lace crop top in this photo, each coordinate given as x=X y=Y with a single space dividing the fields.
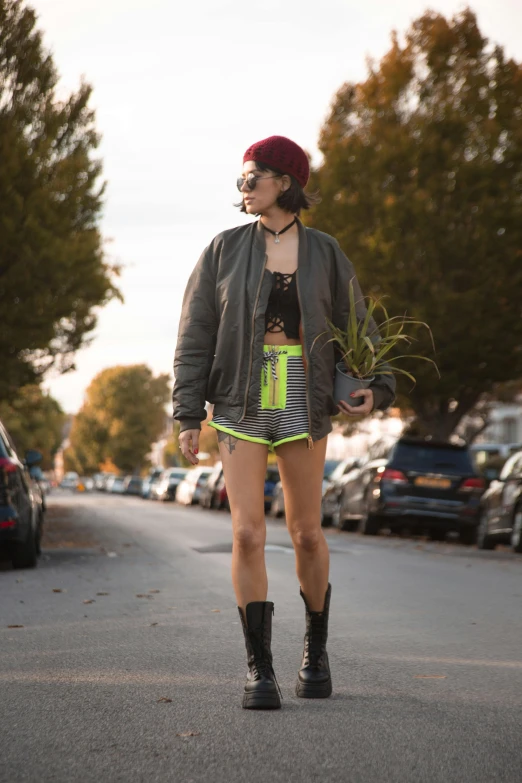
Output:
x=282 y=311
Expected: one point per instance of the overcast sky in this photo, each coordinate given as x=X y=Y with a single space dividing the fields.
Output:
x=181 y=90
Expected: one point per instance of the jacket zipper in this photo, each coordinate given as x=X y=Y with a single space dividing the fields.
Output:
x=252 y=338
x=310 y=442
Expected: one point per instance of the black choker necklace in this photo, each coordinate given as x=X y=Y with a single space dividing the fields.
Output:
x=277 y=234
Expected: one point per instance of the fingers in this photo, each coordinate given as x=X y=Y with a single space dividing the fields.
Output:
x=358 y=410
x=189 y=445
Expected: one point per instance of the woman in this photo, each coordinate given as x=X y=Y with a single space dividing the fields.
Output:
x=254 y=304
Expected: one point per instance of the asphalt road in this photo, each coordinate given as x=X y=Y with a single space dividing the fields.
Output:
x=130 y=662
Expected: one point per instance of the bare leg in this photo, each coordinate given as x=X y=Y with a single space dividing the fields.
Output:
x=301 y=472
x=244 y=466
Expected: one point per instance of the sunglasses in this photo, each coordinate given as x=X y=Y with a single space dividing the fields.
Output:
x=251 y=180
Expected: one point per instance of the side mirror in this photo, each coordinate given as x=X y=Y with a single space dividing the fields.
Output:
x=33 y=457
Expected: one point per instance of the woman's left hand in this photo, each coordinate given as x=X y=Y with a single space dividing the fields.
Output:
x=359 y=410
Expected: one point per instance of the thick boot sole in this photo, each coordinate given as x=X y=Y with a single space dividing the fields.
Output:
x=311 y=691
x=261 y=701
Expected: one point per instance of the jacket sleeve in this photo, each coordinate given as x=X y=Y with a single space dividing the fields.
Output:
x=383 y=387
x=196 y=344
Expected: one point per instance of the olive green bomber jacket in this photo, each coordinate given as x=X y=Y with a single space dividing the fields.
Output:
x=219 y=350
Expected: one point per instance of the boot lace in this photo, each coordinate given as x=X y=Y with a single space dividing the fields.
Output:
x=261 y=665
x=314 y=645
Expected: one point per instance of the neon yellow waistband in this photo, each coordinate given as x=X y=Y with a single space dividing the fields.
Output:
x=291 y=350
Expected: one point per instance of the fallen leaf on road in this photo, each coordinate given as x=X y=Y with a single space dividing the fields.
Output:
x=429 y=676
x=15 y=626
x=216 y=610
x=143 y=595
x=89 y=601
x=102 y=593
x=188 y=734
x=154 y=623
x=154 y=591
x=57 y=590
x=164 y=700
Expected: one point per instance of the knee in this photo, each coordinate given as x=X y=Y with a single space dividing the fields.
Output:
x=247 y=539
x=307 y=541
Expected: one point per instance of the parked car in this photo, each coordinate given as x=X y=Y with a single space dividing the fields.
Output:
x=271 y=479
x=500 y=520
x=115 y=485
x=214 y=493
x=21 y=505
x=422 y=484
x=70 y=480
x=277 y=507
x=85 y=484
x=332 y=488
x=101 y=480
x=189 y=489
x=166 y=488
x=149 y=482
x=133 y=485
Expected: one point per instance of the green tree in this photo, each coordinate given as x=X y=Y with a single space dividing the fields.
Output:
x=34 y=420
x=123 y=414
x=421 y=183
x=53 y=272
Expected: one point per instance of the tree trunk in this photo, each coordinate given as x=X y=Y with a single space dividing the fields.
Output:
x=440 y=420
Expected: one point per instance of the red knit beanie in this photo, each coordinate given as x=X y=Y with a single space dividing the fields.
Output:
x=282 y=154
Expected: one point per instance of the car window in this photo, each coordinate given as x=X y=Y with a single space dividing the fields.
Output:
x=424 y=457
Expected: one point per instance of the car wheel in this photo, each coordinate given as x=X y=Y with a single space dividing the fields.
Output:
x=39 y=533
x=468 y=536
x=436 y=534
x=484 y=540
x=326 y=521
x=369 y=525
x=516 y=535
x=24 y=555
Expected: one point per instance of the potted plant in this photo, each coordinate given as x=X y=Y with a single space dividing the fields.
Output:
x=365 y=348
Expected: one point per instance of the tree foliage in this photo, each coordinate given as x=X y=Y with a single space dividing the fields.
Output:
x=34 y=420
x=123 y=414
x=52 y=268
x=421 y=183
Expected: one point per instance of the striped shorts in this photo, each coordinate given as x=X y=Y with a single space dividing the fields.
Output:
x=282 y=413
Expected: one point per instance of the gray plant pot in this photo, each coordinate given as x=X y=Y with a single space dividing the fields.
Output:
x=345 y=384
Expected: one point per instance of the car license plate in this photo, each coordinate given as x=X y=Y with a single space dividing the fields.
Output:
x=428 y=481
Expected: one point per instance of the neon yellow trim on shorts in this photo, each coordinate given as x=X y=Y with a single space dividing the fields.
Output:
x=239 y=435
x=291 y=350
x=287 y=440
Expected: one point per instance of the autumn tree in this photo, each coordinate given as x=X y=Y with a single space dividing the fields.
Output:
x=34 y=420
x=421 y=183
x=53 y=271
x=123 y=414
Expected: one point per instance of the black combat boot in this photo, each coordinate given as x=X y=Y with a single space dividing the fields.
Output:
x=314 y=680
x=261 y=688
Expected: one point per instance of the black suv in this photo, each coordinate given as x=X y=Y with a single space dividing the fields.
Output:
x=424 y=485
x=21 y=506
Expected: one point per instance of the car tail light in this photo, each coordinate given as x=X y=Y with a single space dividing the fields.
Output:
x=7 y=523
x=7 y=465
x=395 y=476
x=472 y=485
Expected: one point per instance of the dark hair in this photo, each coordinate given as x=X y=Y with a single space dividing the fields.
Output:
x=292 y=200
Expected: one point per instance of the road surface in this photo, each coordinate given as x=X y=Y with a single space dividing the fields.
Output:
x=130 y=661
